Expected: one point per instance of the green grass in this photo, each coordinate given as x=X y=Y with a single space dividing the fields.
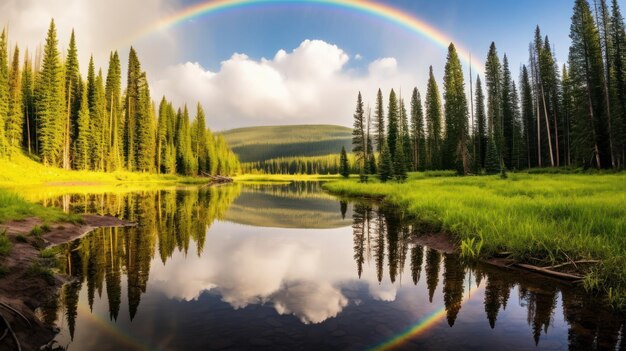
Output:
x=539 y=218
x=14 y=207
x=21 y=171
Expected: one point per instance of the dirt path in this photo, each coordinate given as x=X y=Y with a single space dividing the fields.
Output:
x=22 y=290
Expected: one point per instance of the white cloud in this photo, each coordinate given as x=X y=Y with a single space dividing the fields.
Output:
x=310 y=84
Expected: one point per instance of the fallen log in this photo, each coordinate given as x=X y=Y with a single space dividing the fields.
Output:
x=566 y=276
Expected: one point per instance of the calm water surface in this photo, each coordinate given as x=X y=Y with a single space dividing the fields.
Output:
x=288 y=267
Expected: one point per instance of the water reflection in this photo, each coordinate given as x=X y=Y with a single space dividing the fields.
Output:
x=199 y=273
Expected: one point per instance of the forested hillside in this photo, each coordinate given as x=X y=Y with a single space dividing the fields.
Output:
x=49 y=111
x=258 y=144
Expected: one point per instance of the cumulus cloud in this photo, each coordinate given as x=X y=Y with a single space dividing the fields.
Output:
x=310 y=84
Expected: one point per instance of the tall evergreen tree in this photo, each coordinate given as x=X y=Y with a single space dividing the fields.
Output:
x=379 y=121
x=399 y=162
x=493 y=77
x=73 y=84
x=589 y=122
x=418 y=144
x=385 y=166
x=344 y=167
x=200 y=140
x=132 y=110
x=185 y=159
x=97 y=120
x=508 y=114
x=16 y=114
x=83 y=140
x=405 y=137
x=617 y=35
x=455 y=153
x=115 y=116
x=481 y=125
x=28 y=102
x=358 y=134
x=392 y=122
x=433 y=122
x=51 y=101
x=529 y=138
x=146 y=133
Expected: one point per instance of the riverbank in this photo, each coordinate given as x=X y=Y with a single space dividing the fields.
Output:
x=540 y=219
x=28 y=277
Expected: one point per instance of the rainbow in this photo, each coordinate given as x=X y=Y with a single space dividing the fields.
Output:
x=418 y=328
x=109 y=328
x=377 y=10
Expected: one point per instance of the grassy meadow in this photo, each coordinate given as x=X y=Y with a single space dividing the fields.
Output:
x=543 y=219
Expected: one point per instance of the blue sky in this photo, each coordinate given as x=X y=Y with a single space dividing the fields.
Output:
x=474 y=24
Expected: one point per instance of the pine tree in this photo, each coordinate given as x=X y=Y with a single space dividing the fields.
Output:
x=567 y=108
x=146 y=133
x=379 y=121
x=405 y=137
x=507 y=115
x=132 y=110
x=455 y=153
x=28 y=102
x=481 y=125
x=97 y=118
x=392 y=121
x=492 y=162
x=433 y=122
x=344 y=167
x=115 y=116
x=185 y=159
x=372 y=167
x=589 y=121
x=72 y=84
x=418 y=145
x=617 y=35
x=529 y=138
x=83 y=140
x=385 y=166
x=399 y=162
x=51 y=101
x=493 y=76
x=15 y=118
x=358 y=134
x=200 y=140
x=162 y=135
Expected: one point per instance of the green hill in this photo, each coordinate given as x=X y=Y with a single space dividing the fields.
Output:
x=254 y=144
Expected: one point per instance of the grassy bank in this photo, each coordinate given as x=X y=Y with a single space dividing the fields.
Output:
x=22 y=171
x=539 y=218
x=22 y=179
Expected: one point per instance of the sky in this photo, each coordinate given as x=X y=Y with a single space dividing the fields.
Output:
x=294 y=62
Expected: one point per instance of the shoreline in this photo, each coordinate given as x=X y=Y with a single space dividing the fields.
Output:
x=508 y=224
x=26 y=285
